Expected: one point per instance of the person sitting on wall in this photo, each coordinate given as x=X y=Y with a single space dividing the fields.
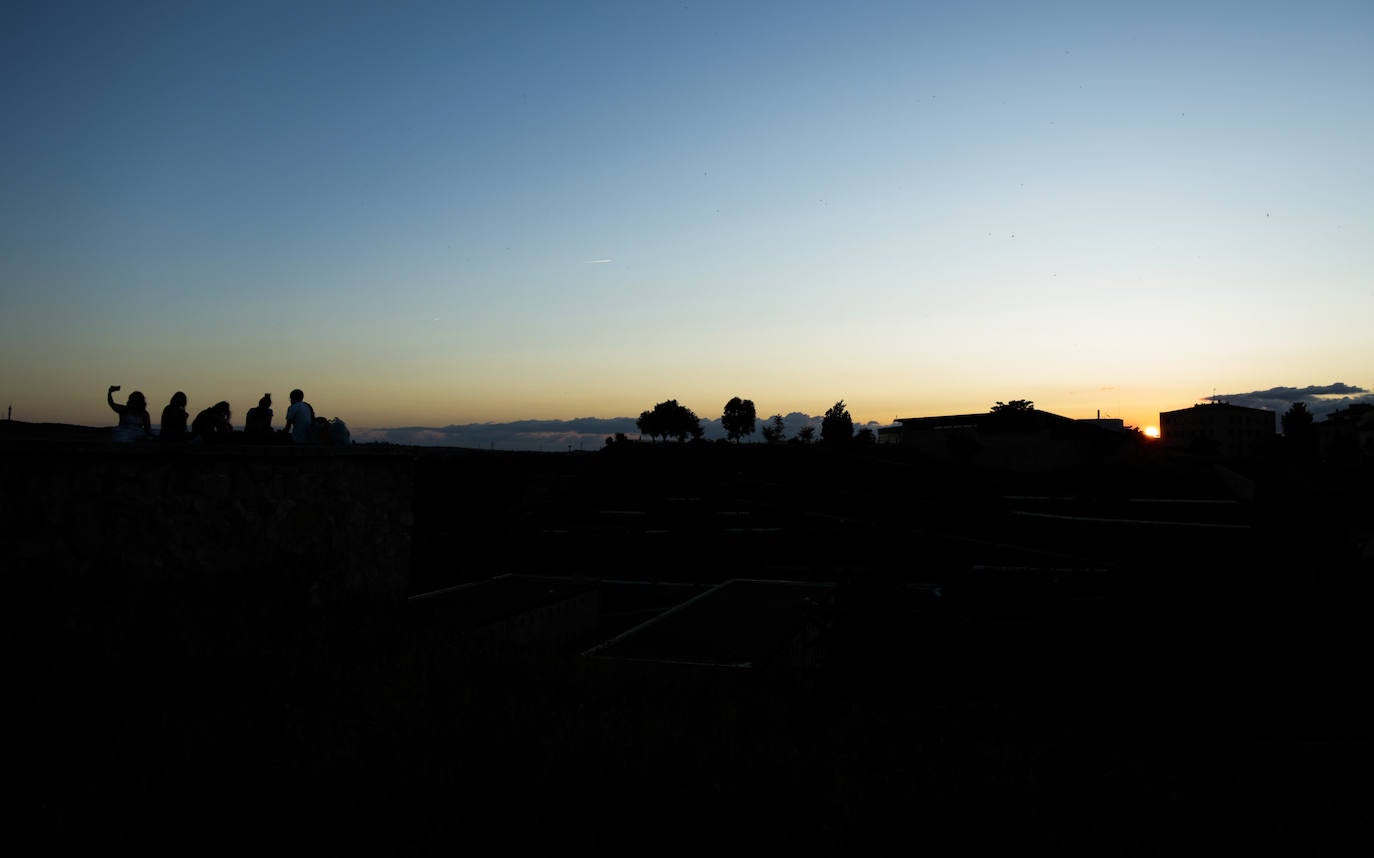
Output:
x=134 y=423
x=300 y=417
x=212 y=425
x=257 y=426
x=173 y=425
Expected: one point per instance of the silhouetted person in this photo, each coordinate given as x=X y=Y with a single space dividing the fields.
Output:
x=212 y=425
x=173 y=426
x=300 y=418
x=134 y=423
x=319 y=431
x=257 y=426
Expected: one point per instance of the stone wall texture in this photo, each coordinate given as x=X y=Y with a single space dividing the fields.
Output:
x=125 y=534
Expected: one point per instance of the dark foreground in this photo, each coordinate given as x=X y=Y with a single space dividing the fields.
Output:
x=989 y=681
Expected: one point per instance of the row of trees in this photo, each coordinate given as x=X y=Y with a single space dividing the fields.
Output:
x=740 y=419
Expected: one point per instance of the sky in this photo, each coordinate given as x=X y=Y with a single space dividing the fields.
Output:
x=459 y=213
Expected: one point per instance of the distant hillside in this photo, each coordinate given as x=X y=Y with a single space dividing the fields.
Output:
x=19 y=430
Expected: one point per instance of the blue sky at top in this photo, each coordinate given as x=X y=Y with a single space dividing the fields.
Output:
x=918 y=207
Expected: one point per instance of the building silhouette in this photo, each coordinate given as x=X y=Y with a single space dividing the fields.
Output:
x=1347 y=435
x=1218 y=428
x=1026 y=440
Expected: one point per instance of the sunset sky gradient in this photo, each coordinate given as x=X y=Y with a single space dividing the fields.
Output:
x=426 y=214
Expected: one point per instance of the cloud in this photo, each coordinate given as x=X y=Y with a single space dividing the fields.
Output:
x=1291 y=393
x=582 y=433
x=1320 y=399
x=599 y=261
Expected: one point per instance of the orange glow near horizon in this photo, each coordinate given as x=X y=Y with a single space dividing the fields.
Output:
x=1151 y=431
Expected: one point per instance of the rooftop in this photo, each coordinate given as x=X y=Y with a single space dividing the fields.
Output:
x=738 y=624
x=481 y=603
x=1219 y=406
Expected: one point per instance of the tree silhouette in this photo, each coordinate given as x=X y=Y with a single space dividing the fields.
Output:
x=738 y=419
x=865 y=437
x=1018 y=414
x=650 y=423
x=1296 y=419
x=774 y=430
x=837 y=427
x=670 y=420
x=805 y=434
x=1297 y=427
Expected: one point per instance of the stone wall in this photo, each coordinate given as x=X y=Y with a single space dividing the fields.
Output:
x=237 y=536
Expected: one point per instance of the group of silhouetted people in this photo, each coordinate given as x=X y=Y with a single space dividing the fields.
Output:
x=213 y=425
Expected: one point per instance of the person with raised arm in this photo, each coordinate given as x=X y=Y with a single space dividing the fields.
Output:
x=134 y=423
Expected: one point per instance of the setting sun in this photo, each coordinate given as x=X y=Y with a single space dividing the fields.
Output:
x=1152 y=431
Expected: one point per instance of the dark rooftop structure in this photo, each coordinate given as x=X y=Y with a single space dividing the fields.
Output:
x=1031 y=439
x=1219 y=428
x=1031 y=420
x=1347 y=434
x=509 y=613
x=480 y=603
x=740 y=624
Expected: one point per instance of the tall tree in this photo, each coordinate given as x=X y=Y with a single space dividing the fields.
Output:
x=670 y=420
x=1297 y=427
x=739 y=418
x=650 y=424
x=774 y=431
x=1296 y=419
x=806 y=434
x=837 y=427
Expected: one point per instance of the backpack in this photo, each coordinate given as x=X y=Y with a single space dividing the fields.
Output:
x=329 y=433
x=338 y=433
